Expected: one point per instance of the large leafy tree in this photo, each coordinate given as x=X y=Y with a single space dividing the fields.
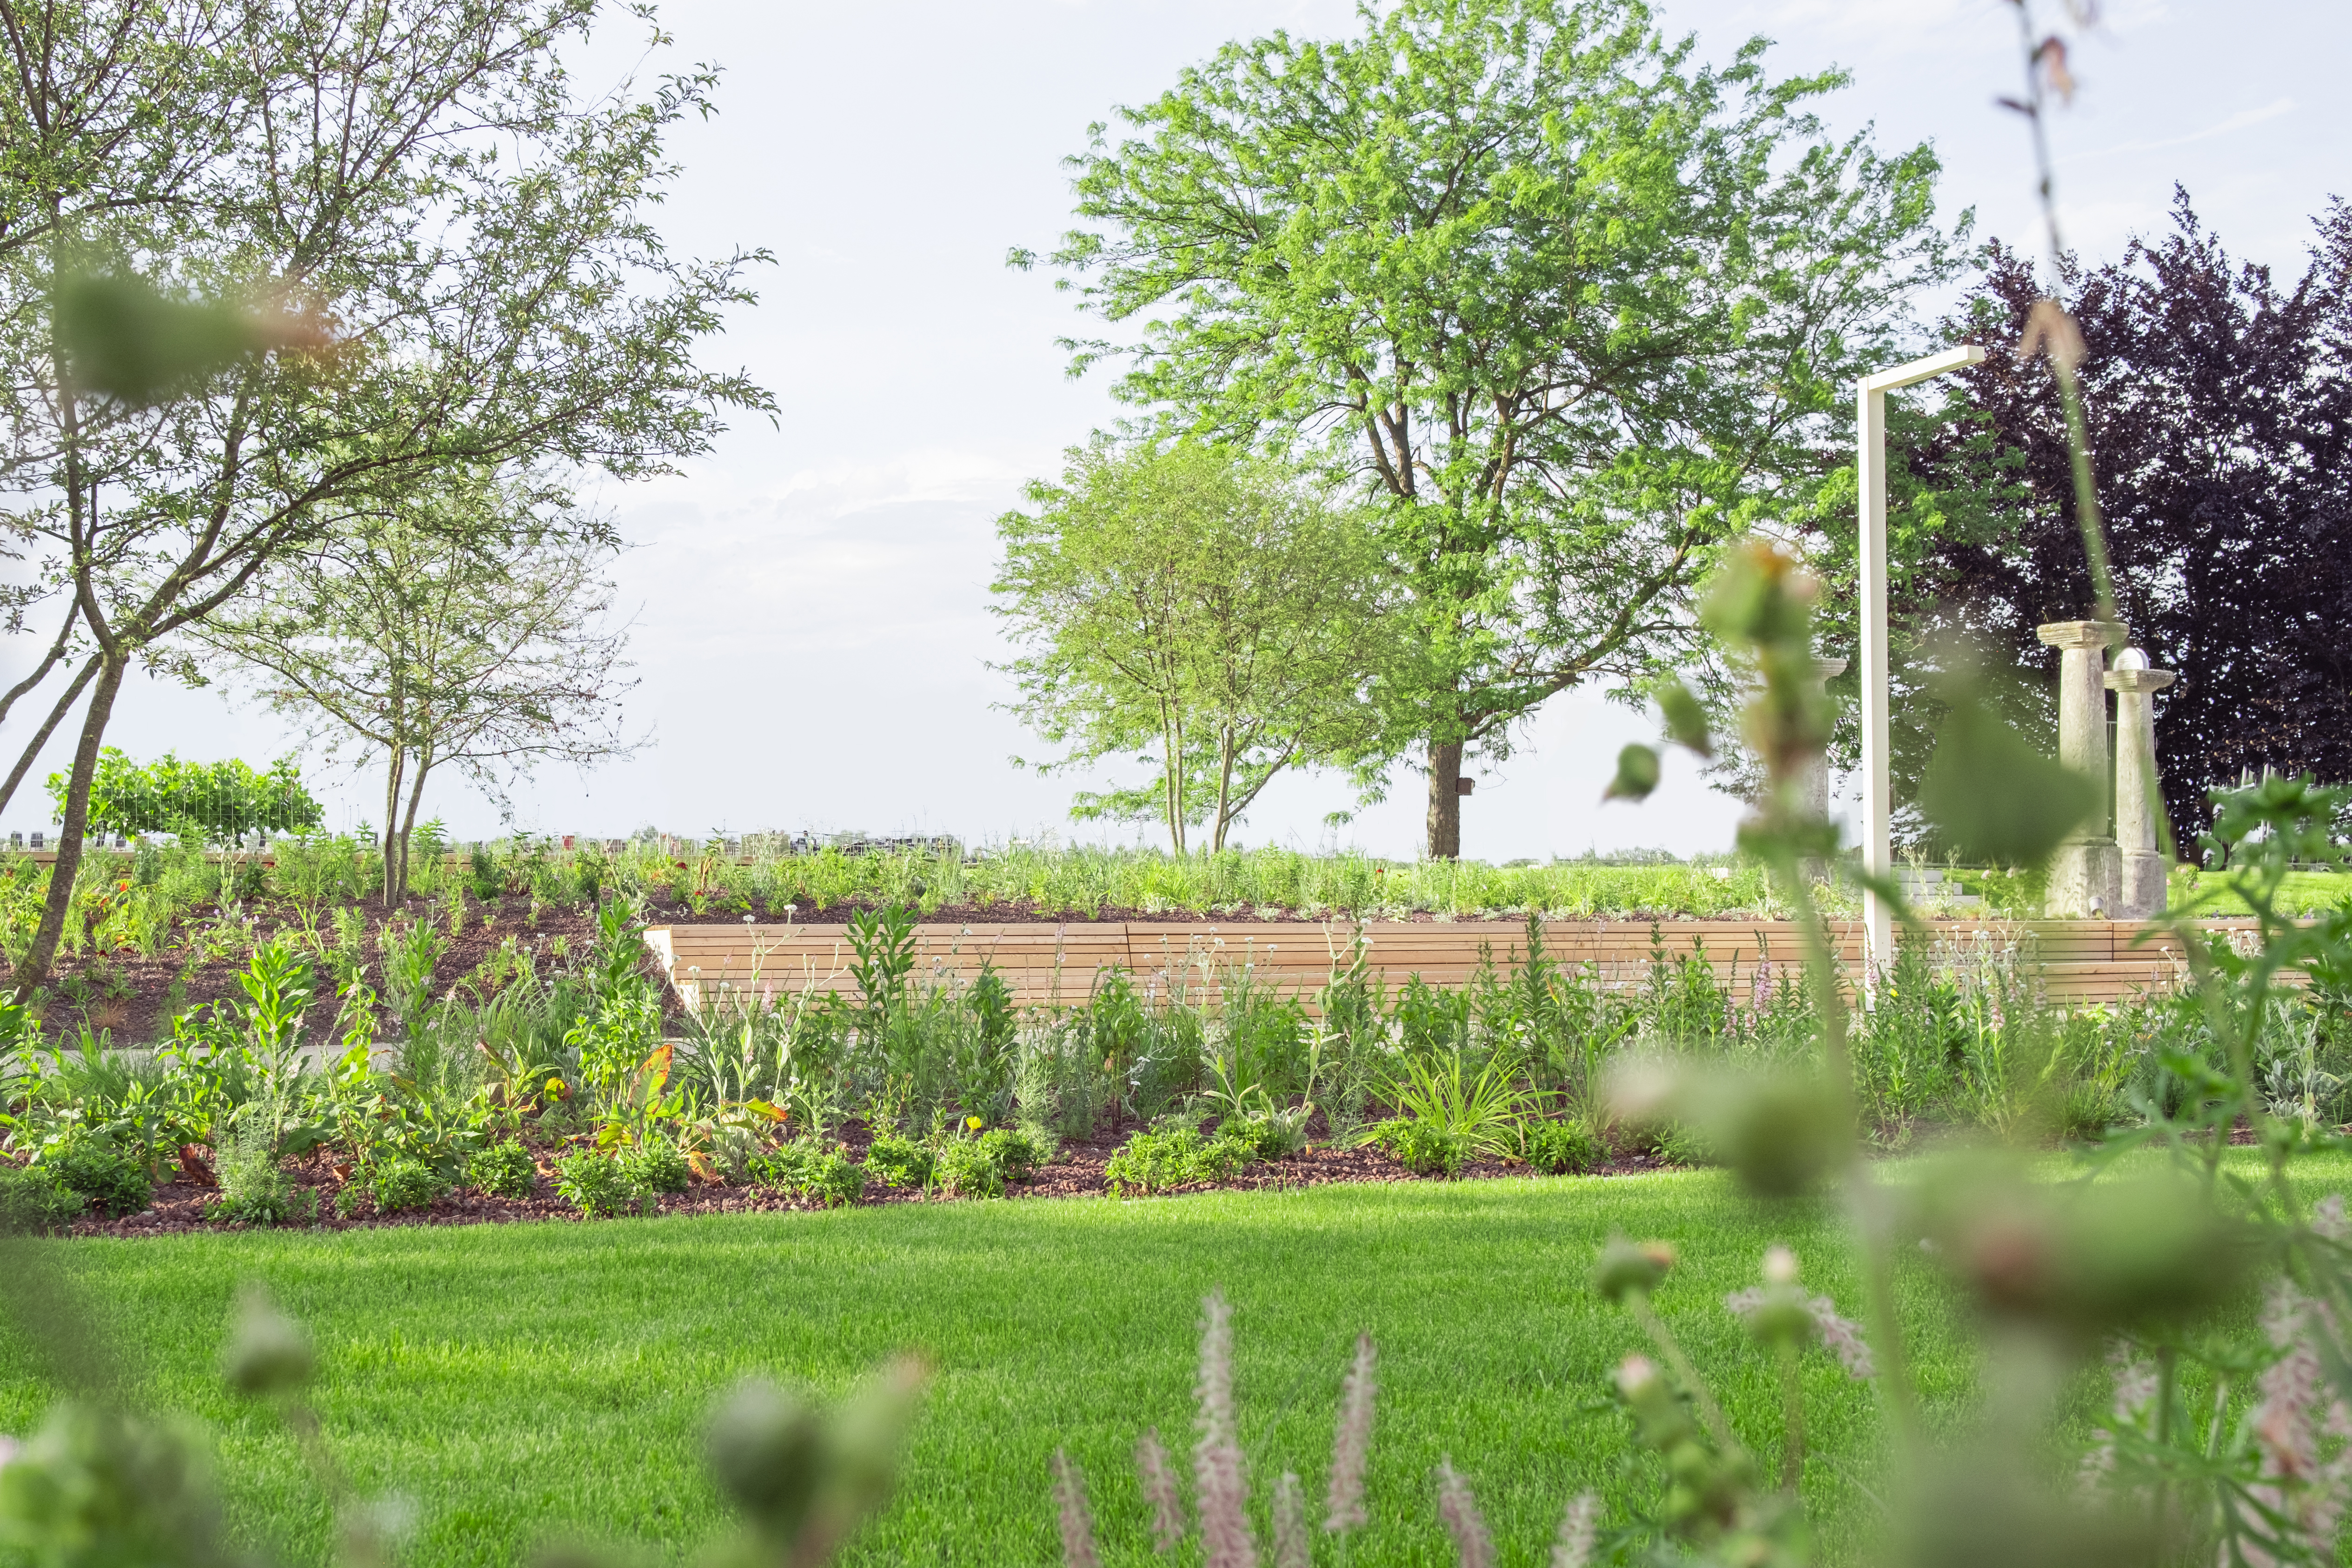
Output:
x=1200 y=607
x=2218 y=403
x=422 y=181
x=1567 y=305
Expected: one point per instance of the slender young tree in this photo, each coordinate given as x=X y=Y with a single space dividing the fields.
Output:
x=420 y=179
x=466 y=628
x=1198 y=605
x=1566 y=304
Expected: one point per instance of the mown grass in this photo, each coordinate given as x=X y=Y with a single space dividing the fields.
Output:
x=522 y=1381
x=519 y=1384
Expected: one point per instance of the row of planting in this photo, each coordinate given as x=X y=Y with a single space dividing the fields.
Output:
x=173 y=897
x=557 y=1070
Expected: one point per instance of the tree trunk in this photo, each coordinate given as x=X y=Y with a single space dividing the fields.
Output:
x=1172 y=751
x=409 y=827
x=35 y=970
x=1445 y=801
x=1224 y=787
x=393 y=889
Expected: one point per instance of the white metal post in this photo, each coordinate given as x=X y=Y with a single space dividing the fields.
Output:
x=1878 y=801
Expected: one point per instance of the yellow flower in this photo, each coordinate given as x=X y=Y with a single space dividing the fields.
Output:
x=973 y=1123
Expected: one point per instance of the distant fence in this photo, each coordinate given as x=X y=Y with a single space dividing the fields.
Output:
x=2079 y=961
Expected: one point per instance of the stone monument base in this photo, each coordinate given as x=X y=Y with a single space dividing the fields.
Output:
x=2143 y=891
x=2085 y=880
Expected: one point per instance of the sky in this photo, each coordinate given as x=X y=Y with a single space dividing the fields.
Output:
x=811 y=628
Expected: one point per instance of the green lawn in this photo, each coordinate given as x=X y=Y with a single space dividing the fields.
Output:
x=519 y=1383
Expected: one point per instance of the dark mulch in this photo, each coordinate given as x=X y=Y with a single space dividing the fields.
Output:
x=1077 y=1172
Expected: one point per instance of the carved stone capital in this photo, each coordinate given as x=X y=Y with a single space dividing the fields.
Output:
x=2083 y=634
x=2141 y=680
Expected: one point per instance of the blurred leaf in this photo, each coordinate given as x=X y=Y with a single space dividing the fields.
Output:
x=765 y=1447
x=806 y=1477
x=267 y=1354
x=1783 y=1133
x=1637 y=774
x=126 y=339
x=1994 y=796
x=1685 y=719
x=2084 y=1260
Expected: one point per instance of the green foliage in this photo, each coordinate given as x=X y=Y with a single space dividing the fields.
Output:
x=254 y=1188
x=593 y=1184
x=1563 y=1148
x=900 y=1162
x=1460 y=1116
x=403 y=1182
x=110 y=1177
x=808 y=1168
x=128 y=340
x=1994 y=797
x=656 y=1165
x=217 y=802
x=1426 y=1148
x=504 y=1170
x=1161 y=1159
x=95 y=1486
x=1202 y=607
x=1413 y=227
x=980 y=1167
x=883 y=944
x=33 y=1200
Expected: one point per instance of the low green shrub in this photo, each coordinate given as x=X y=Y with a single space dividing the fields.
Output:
x=1159 y=1160
x=901 y=1162
x=1563 y=1148
x=108 y=1176
x=981 y=1167
x=254 y=1188
x=1678 y=1144
x=503 y=1170
x=1271 y=1134
x=809 y=1169
x=593 y=1184
x=656 y=1165
x=33 y=1200
x=403 y=1182
x=1424 y=1147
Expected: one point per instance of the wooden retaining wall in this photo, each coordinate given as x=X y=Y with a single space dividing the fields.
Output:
x=2081 y=960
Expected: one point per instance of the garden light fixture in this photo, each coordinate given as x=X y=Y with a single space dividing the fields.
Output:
x=1877 y=919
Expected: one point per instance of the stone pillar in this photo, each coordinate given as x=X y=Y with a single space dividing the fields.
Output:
x=2137 y=796
x=2086 y=873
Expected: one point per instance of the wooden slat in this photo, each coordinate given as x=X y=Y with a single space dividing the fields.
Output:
x=2088 y=961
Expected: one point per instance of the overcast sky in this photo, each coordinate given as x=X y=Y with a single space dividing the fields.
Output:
x=812 y=631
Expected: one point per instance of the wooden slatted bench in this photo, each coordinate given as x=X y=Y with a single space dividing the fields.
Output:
x=1050 y=965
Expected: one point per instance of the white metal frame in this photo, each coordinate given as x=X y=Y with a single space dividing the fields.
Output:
x=1878 y=921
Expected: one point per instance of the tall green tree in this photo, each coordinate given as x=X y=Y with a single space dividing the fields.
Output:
x=466 y=628
x=1198 y=605
x=1571 y=308
x=422 y=180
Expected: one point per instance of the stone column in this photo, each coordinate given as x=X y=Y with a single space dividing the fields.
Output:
x=2086 y=873
x=2137 y=796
